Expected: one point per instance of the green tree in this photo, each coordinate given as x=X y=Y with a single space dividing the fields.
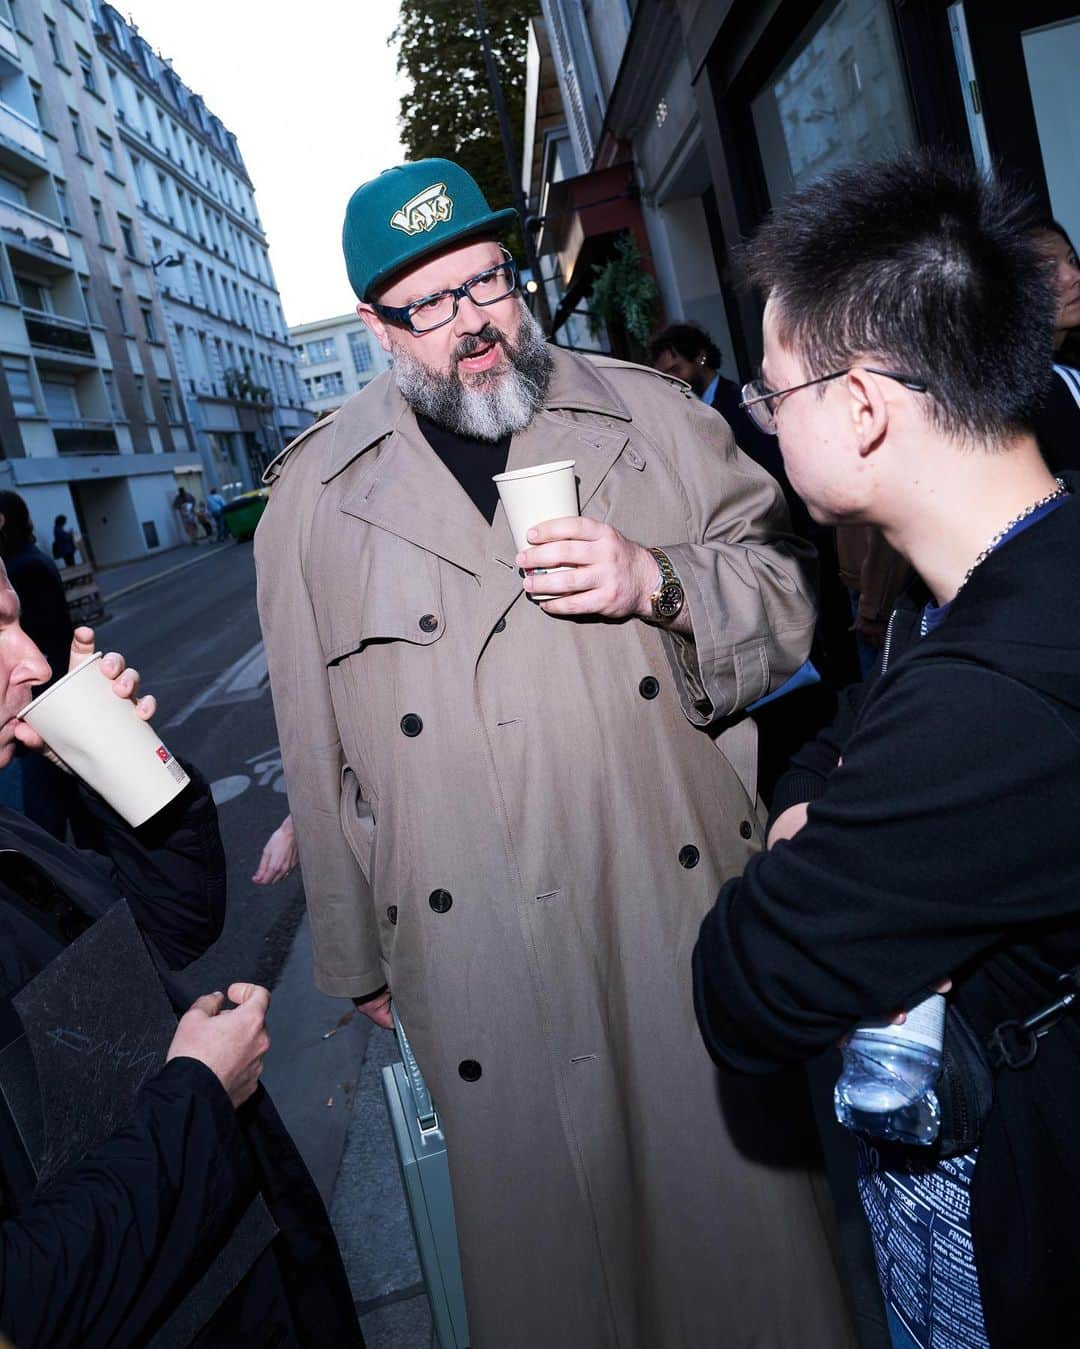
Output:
x=449 y=112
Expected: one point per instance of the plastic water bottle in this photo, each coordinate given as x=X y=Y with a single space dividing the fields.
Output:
x=886 y=1088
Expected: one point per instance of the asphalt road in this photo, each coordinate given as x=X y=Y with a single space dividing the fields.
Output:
x=194 y=638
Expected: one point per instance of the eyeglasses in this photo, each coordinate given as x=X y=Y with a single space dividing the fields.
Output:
x=761 y=402
x=433 y=311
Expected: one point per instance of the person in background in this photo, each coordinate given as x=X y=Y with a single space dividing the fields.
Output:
x=32 y=783
x=1057 y=424
x=184 y=504
x=930 y=832
x=216 y=502
x=63 y=545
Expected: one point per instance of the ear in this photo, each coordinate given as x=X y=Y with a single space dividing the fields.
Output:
x=374 y=324
x=869 y=409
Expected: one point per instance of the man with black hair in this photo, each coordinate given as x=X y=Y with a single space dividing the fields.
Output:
x=931 y=831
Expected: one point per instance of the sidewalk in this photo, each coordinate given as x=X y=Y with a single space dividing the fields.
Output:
x=128 y=576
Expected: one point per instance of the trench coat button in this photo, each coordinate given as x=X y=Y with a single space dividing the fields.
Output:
x=440 y=900
x=501 y=625
x=689 y=856
x=391 y=913
x=428 y=622
x=649 y=687
x=411 y=725
x=746 y=829
x=470 y=1070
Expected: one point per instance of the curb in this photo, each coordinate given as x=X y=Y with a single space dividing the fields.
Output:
x=109 y=595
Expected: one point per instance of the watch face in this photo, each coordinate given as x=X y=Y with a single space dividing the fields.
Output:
x=670 y=599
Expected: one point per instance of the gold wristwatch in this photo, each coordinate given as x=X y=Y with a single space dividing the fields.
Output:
x=668 y=597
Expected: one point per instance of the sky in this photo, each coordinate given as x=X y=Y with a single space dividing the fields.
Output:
x=311 y=92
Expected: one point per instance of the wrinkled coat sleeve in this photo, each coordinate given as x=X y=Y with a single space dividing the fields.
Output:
x=171 y=870
x=346 y=953
x=905 y=871
x=748 y=579
x=114 y=1241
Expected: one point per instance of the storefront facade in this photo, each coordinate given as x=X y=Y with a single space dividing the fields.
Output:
x=790 y=89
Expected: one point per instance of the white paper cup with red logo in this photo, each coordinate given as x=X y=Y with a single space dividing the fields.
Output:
x=103 y=739
x=532 y=496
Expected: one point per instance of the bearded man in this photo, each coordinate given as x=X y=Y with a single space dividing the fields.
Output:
x=513 y=815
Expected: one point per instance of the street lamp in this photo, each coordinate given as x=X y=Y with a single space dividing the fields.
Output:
x=169 y=260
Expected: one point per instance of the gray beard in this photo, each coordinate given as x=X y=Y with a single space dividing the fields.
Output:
x=483 y=406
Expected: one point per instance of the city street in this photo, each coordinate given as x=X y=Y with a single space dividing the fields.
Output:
x=193 y=633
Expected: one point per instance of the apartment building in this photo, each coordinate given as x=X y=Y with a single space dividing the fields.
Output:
x=194 y=207
x=91 y=425
x=337 y=358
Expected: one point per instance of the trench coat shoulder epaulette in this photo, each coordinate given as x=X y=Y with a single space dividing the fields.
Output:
x=612 y=363
x=274 y=468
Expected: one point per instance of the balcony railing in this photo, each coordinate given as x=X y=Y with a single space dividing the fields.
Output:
x=15 y=127
x=31 y=228
x=58 y=334
x=85 y=436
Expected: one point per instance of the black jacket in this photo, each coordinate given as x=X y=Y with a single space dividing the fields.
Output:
x=947 y=844
x=105 y=1253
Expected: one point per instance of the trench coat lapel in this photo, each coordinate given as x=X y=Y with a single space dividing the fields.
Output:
x=407 y=490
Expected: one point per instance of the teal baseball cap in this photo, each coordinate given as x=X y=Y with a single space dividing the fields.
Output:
x=395 y=220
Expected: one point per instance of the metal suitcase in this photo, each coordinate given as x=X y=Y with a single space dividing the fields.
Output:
x=421 y=1151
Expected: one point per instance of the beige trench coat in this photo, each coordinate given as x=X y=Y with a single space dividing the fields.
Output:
x=518 y=822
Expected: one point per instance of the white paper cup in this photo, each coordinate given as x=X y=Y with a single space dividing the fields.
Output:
x=102 y=738
x=531 y=496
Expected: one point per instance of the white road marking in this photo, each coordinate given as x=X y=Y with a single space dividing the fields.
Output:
x=228 y=789
x=245 y=678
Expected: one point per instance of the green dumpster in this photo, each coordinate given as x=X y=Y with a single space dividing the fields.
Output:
x=243 y=512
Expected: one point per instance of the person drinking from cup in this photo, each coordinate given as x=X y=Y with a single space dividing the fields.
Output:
x=105 y=1251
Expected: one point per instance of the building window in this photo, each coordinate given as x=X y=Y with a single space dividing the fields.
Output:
x=326 y=386
x=127 y=233
x=92 y=311
x=144 y=398
x=148 y=322
x=121 y=312
x=322 y=349
x=33 y=294
x=114 y=399
x=839 y=98
x=19 y=386
x=54 y=42
x=63 y=203
x=108 y=154
x=77 y=132
x=360 y=348
x=87 y=67
x=99 y=221
x=167 y=403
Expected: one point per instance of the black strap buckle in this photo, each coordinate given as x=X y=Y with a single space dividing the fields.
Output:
x=1014 y=1044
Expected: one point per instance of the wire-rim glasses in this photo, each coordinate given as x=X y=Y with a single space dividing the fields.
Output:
x=761 y=402
x=434 y=311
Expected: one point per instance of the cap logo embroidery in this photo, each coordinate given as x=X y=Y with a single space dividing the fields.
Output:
x=424 y=211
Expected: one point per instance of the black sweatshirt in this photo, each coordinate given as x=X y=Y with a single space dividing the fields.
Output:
x=947 y=844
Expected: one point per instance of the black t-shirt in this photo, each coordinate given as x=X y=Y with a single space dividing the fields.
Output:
x=473 y=462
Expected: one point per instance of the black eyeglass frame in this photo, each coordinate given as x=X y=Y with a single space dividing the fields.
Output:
x=908 y=381
x=403 y=314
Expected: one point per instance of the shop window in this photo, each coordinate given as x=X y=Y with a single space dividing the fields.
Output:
x=839 y=97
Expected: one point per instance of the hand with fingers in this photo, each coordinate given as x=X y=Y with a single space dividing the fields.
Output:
x=608 y=574
x=230 y=1041
x=125 y=684
x=280 y=854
